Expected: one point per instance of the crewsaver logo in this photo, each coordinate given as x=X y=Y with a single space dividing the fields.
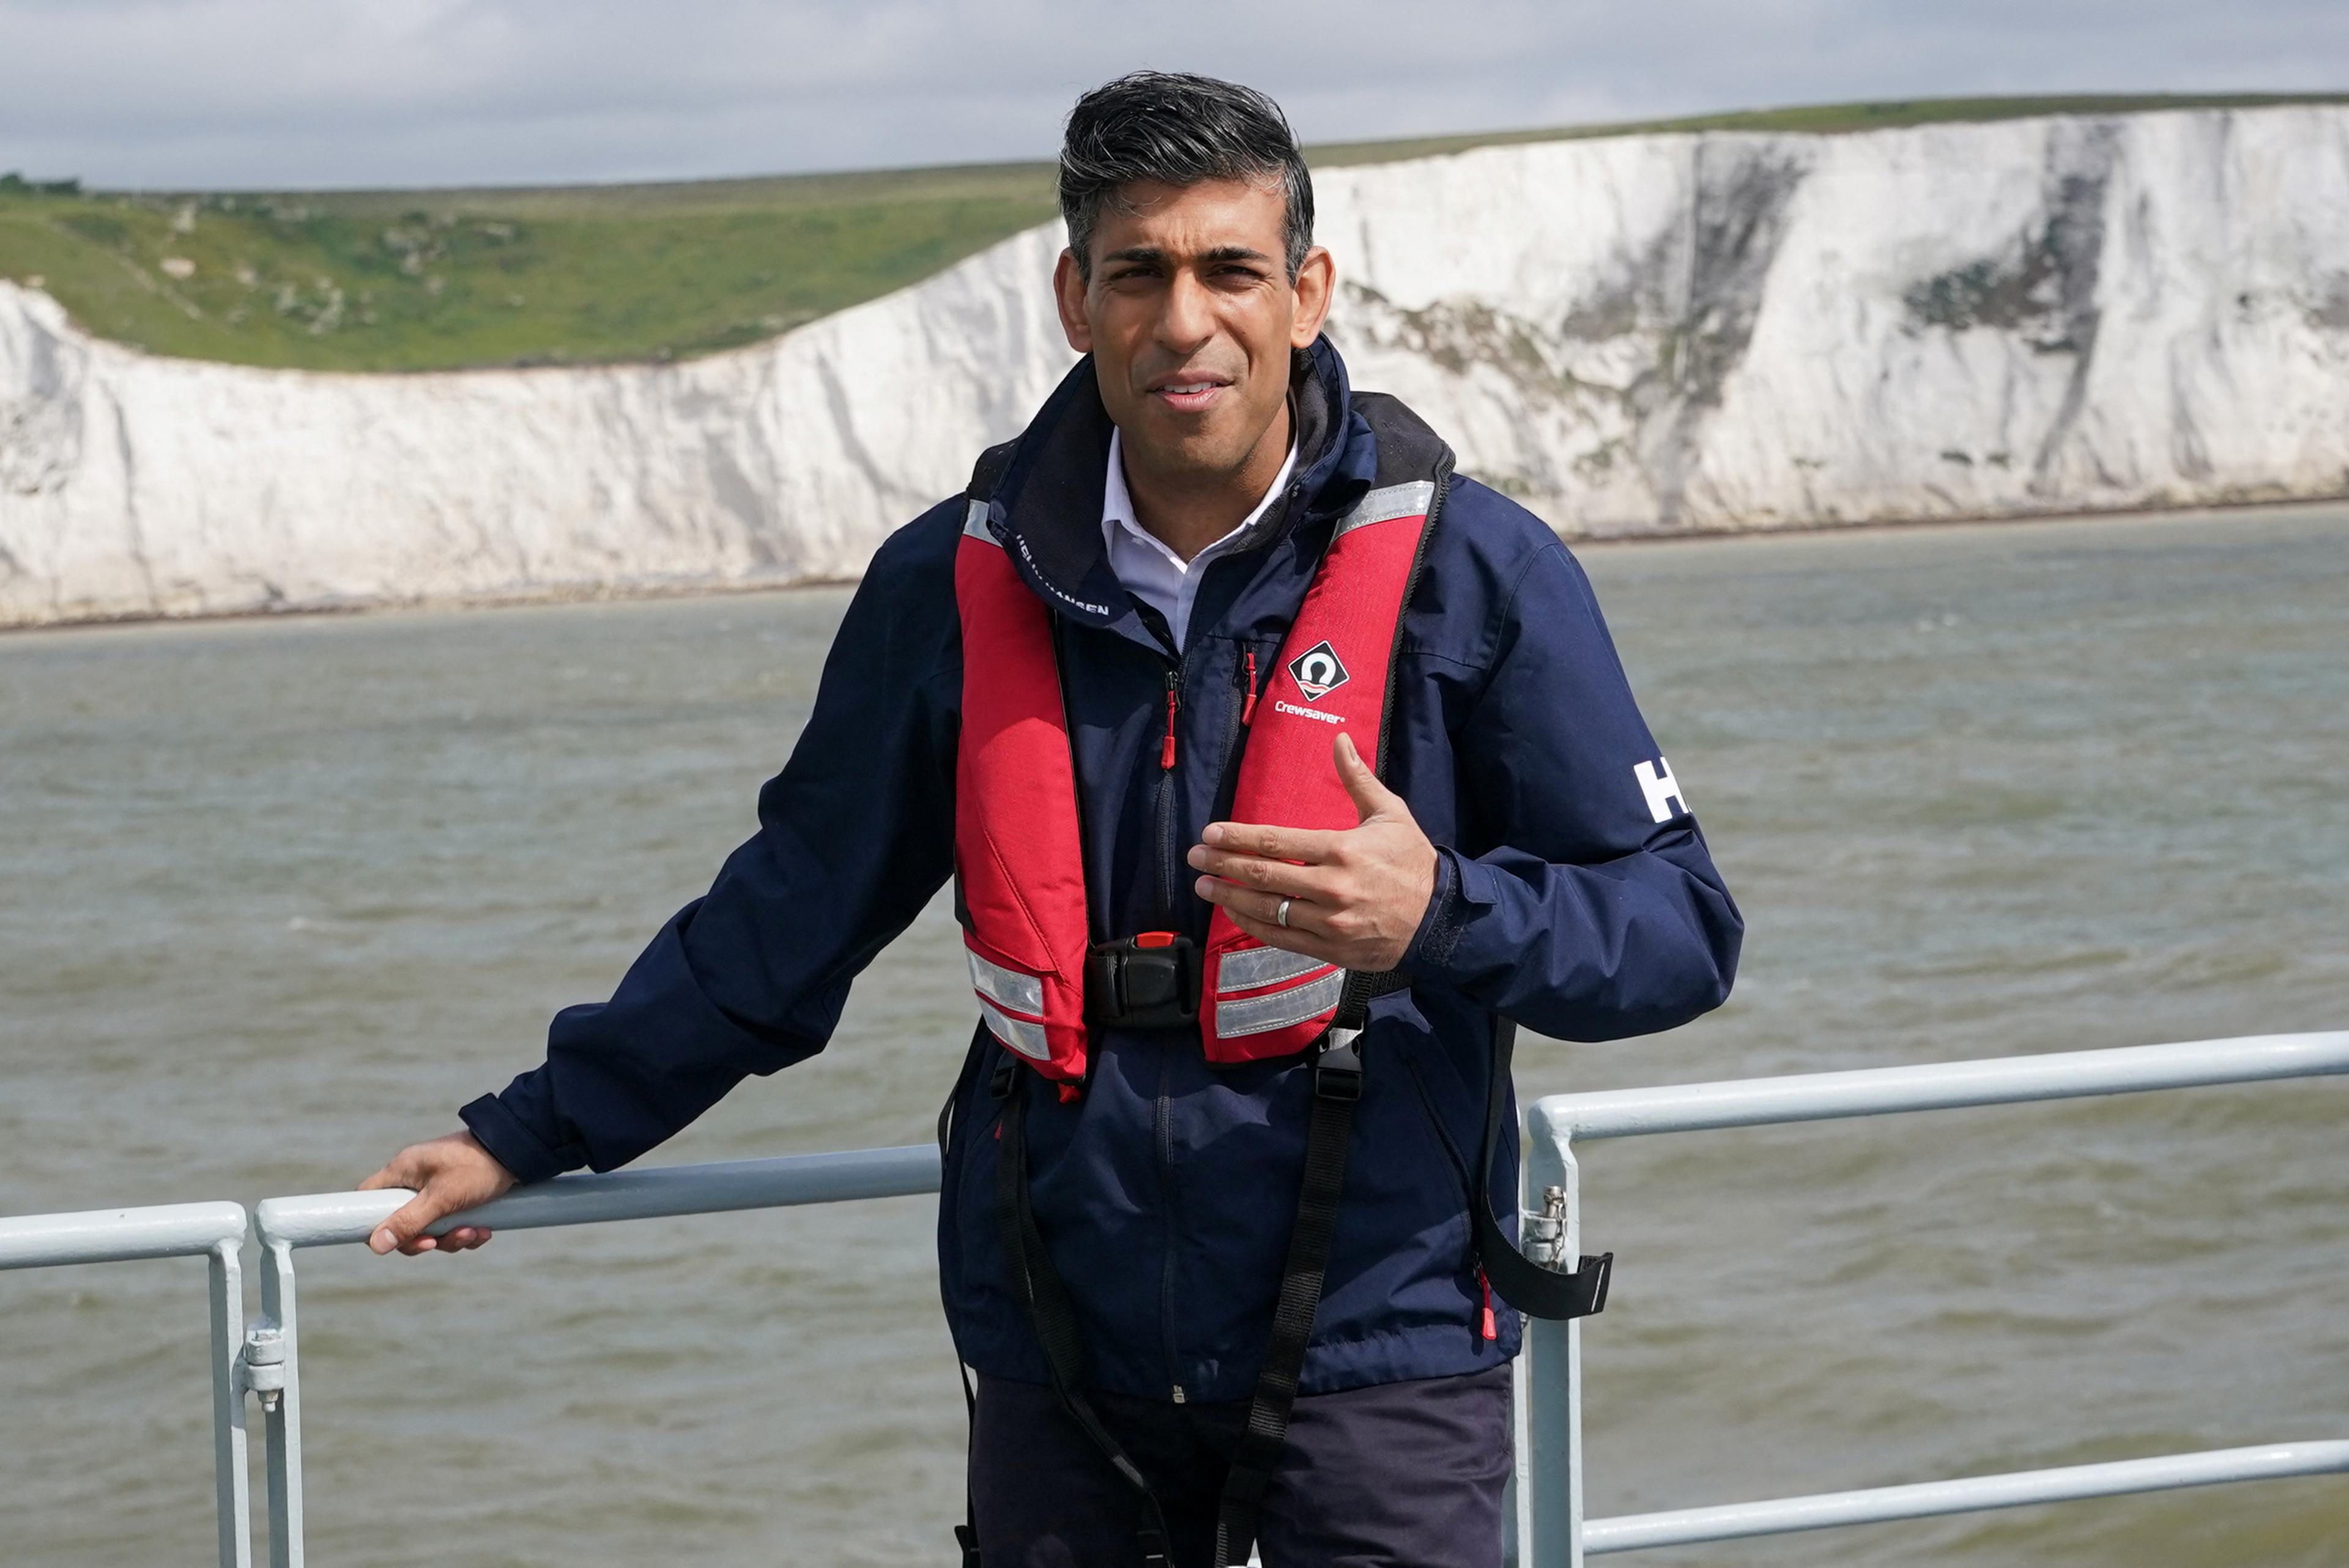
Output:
x=1318 y=671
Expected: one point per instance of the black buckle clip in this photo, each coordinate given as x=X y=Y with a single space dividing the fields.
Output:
x=1600 y=1272
x=1338 y=1067
x=1149 y=981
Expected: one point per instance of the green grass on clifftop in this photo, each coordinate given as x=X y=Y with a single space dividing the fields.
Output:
x=416 y=280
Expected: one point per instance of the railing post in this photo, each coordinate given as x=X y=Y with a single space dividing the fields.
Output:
x=1514 y=1532
x=233 y=1486
x=1549 y=1406
x=284 y=1423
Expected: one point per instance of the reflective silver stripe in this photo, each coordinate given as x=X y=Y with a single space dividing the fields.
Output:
x=974 y=524
x=1279 y=1008
x=1245 y=968
x=1005 y=987
x=1020 y=1035
x=1395 y=501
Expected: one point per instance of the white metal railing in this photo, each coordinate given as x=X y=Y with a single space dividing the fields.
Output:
x=1551 y=1530
x=1549 y=1526
x=341 y=1218
x=213 y=1231
x=1880 y=1505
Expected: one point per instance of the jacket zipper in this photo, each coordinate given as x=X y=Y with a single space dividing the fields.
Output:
x=1488 y=1325
x=1163 y=1135
x=1169 y=876
x=1163 y=808
x=1174 y=699
x=1163 y=1129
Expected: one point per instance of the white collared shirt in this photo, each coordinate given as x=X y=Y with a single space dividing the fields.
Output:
x=1150 y=571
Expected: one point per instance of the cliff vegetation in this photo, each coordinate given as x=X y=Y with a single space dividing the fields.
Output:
x=424 y=280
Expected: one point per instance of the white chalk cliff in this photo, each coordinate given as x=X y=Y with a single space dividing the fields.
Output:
x=1634 y=334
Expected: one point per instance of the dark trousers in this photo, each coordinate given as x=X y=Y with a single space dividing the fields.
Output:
x=1398 y=1475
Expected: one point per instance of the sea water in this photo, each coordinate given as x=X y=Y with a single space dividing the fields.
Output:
x=277 y=896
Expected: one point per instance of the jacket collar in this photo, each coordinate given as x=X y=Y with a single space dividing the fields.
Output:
x=1046 y=506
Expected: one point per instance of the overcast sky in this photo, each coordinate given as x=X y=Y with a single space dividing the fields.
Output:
x=260 y=93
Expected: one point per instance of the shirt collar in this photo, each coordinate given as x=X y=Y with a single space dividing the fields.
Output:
x=1118 y=515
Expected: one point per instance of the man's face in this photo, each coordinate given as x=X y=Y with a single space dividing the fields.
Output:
x=1190 y=315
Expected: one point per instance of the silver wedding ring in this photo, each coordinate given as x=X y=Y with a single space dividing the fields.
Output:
x=1280 y=916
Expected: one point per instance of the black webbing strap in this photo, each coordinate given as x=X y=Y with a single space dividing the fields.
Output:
x=1528 y=1286
x=1337 y=1088
x=1038 y=1285
x=966 y=1535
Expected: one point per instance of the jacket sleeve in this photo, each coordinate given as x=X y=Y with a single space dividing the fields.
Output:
x=1582 y=902
x=854 y=835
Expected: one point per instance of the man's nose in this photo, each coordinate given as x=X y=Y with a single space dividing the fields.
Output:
x=1188 y=320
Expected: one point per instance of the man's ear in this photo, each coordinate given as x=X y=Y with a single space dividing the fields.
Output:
x=1316 y=279
x=1069 y=294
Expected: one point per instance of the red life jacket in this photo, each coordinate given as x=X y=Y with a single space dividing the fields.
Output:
x=1017 y=852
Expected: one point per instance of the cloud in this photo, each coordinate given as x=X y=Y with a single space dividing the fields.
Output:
x=246 y=93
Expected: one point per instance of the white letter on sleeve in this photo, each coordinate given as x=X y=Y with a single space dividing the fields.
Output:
x=1656 y=781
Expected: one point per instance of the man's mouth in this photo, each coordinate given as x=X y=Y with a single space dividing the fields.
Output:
x=1190 y=397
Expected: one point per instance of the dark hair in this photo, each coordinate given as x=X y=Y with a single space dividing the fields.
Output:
x=1177 y=129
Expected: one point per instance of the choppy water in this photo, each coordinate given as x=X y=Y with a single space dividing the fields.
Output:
x=275 y=896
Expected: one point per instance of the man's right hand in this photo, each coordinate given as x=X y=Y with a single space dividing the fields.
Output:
x=448 y=1174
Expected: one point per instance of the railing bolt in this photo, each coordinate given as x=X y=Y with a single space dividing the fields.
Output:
x=1546 y=1232
x=262 y=1367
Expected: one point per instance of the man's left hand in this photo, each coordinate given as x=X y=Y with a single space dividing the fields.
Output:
x=1355 y=897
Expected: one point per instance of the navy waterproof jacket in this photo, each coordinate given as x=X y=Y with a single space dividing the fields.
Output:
x=1167 y=1193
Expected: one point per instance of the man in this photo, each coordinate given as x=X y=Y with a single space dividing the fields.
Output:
x=1217 y=942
